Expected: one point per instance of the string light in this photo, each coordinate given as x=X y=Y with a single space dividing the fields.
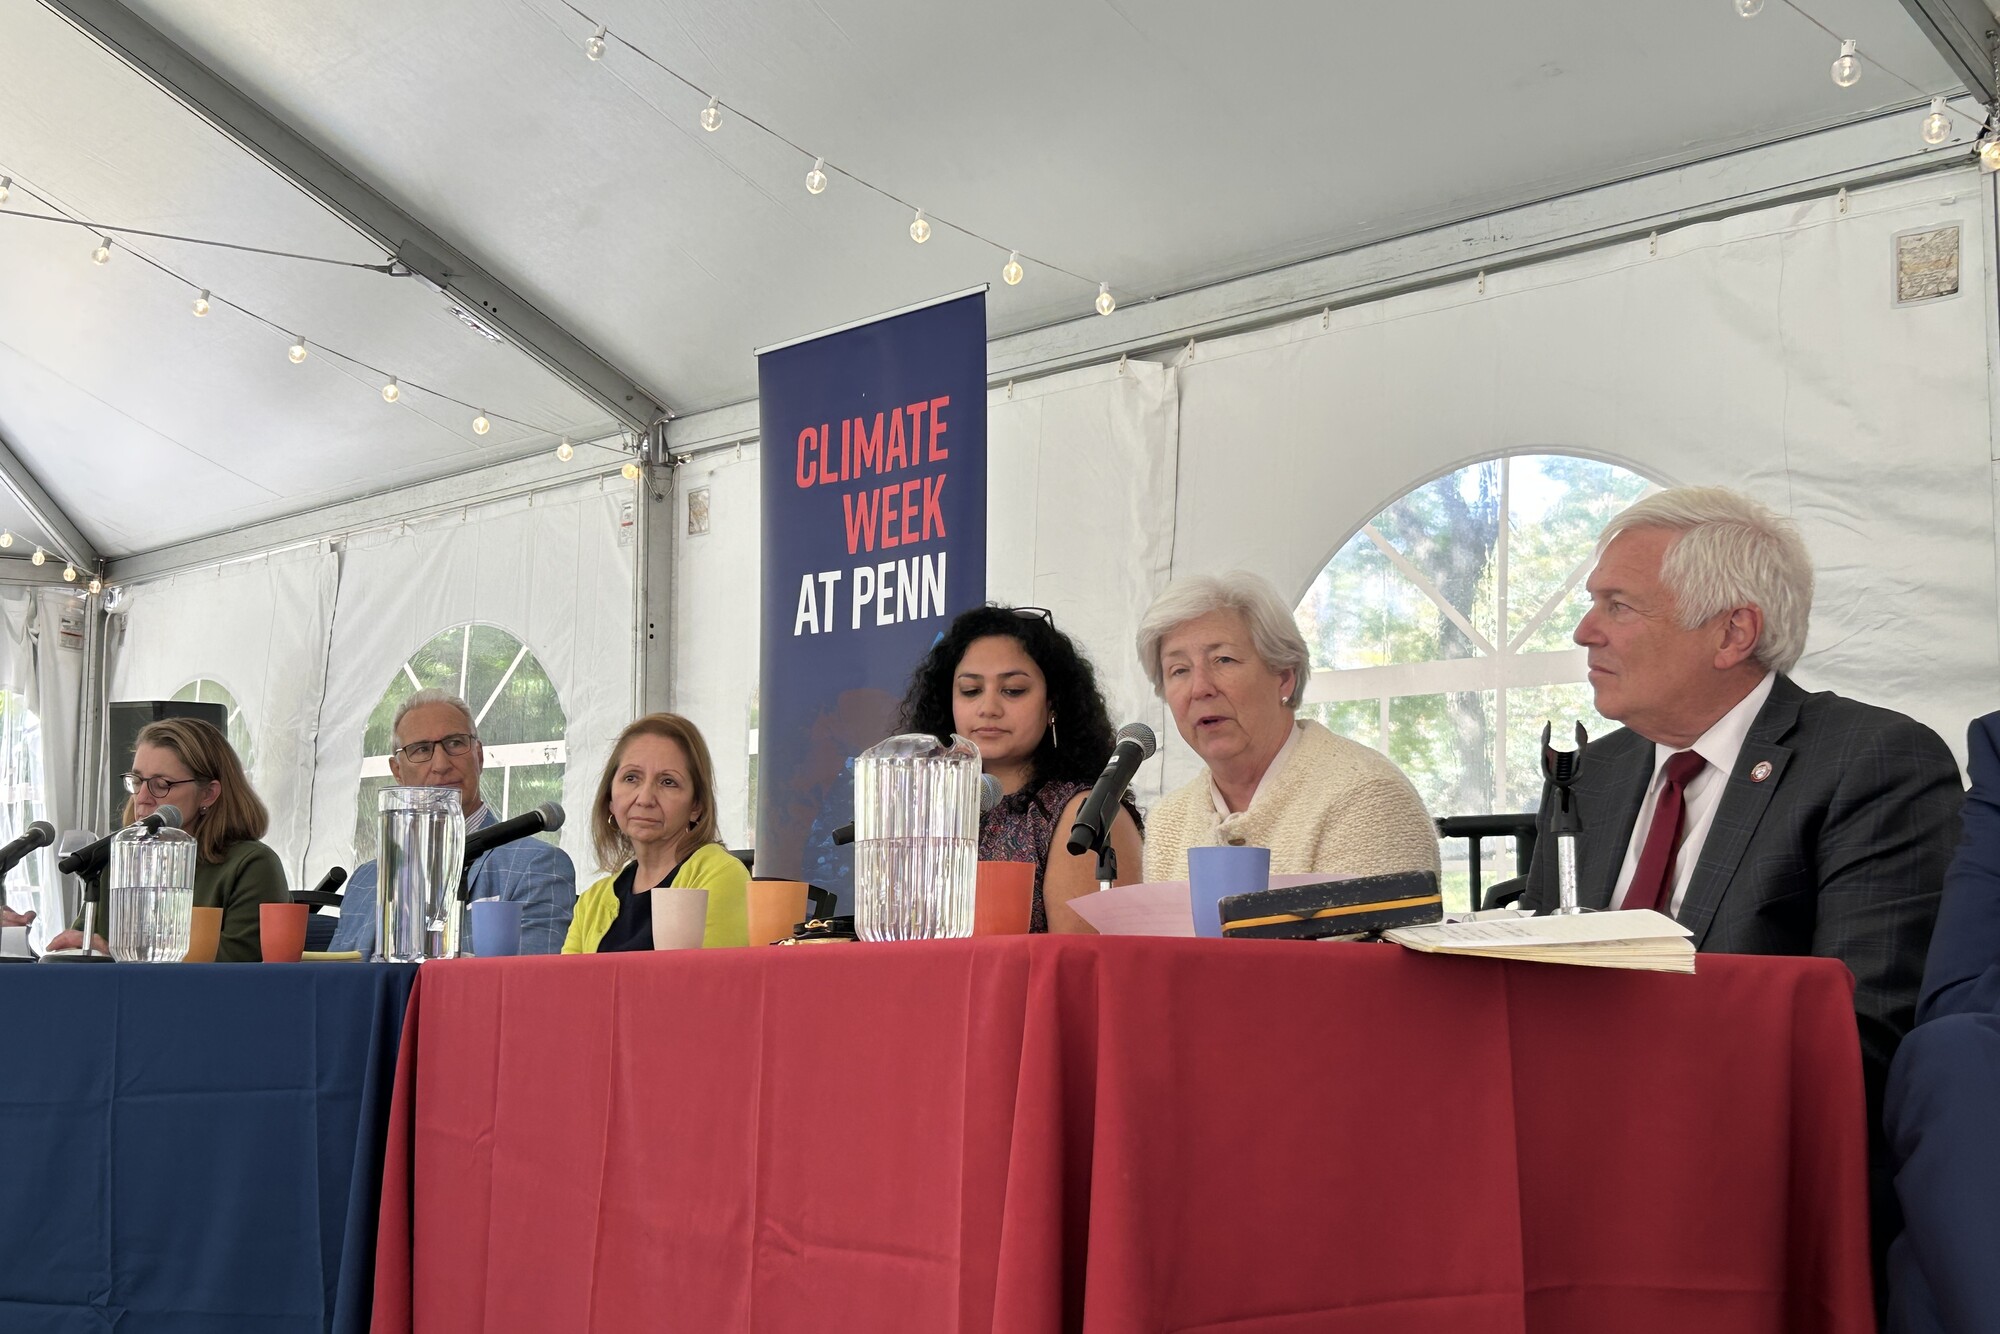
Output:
x=1989 y=151
x=630 y=472
x=565 y=451
x=1937 y=125
x=594 y=47
x=201 y=303
x=480 y=426
x=816 y=178
x=6 y=185
x=391 y=391
x=1847 y=67
x=920 y=231
x=297 y=351
x=69 y=572
x=101 y=255
x=6 y=538
x=711 y=116
x=40 y=557
x=1749 y=9
x=1105 y=303
x=1012 y=272
x=96 y=585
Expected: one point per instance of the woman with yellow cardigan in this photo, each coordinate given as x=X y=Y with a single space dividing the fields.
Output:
x=654 y=818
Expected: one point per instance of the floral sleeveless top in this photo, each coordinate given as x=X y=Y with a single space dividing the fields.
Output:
x=1021 y=827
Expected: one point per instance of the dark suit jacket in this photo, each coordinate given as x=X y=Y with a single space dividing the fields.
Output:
x=1840 y=852
x=1963 y=975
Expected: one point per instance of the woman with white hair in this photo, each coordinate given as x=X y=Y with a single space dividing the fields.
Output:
x=1225 y=654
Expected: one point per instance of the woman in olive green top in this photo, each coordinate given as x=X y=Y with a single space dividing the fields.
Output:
x=188 y=764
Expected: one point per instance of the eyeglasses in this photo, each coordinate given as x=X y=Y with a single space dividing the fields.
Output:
x=420 y=752
x=1038 y=613
x=159 y=787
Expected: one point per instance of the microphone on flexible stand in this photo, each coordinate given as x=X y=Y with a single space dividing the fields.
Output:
x=89 y=862
x=989 y=797
x=1092 y=830
x=545 y=817
x=39 y=835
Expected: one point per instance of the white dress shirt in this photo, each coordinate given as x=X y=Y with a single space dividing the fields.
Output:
x=1719 y=745
x=1270 y=772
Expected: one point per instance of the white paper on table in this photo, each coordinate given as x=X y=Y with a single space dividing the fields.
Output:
x=14 y=940
x=1160 y=907
x=1565 y=929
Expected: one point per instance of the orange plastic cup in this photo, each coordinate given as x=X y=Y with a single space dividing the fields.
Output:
x=204 y=935
x=776 y=906
x=1004 y=899
x=282 y=929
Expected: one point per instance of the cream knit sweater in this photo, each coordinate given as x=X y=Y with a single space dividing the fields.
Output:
x=1337 y=806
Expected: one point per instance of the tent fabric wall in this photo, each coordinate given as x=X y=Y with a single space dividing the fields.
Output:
x=717 y=625
x=554 y=568
x=41 y=659
x=1080 y=480
x=260 y=630
x=1763 y=352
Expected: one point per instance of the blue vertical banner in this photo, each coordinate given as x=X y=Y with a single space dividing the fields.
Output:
x=874 y=537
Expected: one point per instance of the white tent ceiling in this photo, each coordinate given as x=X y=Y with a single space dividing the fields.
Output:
x=1157 y=146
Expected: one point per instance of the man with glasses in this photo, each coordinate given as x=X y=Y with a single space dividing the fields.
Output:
x=436 y=746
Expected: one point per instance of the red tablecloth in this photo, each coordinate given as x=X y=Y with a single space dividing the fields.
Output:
x=1028 y=1134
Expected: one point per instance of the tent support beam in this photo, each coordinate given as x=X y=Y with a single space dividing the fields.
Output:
x=69 y=541
x=1965 y=33
x=442 y=266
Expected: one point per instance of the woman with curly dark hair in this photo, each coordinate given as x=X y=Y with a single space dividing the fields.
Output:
x=1018 y=688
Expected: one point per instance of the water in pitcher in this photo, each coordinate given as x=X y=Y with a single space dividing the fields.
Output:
x=150 y=894
x=916 y=846
x=422 y=855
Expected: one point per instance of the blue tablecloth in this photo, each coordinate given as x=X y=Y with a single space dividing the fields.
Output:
x=193 y=1147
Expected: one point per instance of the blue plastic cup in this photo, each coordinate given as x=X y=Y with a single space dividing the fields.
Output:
x=496 y=928
x=1216 y=873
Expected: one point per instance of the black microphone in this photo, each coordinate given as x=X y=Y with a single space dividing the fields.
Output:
x=548 y=815
x=1136 y=745
x=40 y=834
x=330 y=882
x=989 y=797
x=88 y=860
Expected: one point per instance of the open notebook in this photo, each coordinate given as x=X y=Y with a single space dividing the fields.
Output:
x=1638 y=939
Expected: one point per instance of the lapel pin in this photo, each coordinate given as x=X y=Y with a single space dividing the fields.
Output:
x=1761 y=771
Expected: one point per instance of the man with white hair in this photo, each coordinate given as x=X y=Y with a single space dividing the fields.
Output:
x=1766 y=819
x=437 y=746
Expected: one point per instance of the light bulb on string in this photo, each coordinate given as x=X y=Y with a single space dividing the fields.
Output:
x=630 y=472
x=565 y=451
x=6 y=538
x=816 y=178
x=480 y=426
x=1937 y=125
x=96 y=585
x=1749 y=9
x=297 y=351
x=711 y=116
x=69 y=573
x=594 y=45
x=1011 y=273
x=1105 y=303
x=920 y=231
x=201 y=303
x=101 y=255
x=6 y=187
x=1847 y=67
x=391 y=391
x=40 y=557
x=1989 y=151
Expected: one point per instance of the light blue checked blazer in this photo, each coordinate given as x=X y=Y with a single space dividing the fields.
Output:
x=537 y=875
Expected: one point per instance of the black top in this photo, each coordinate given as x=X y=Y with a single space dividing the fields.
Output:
x=632 y=928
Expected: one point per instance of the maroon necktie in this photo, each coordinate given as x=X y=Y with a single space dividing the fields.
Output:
x=1653 y=883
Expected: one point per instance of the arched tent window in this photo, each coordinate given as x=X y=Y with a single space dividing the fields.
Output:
x=514 y=708
x=203 y=690
x=21 y=804
x=1440 y=632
